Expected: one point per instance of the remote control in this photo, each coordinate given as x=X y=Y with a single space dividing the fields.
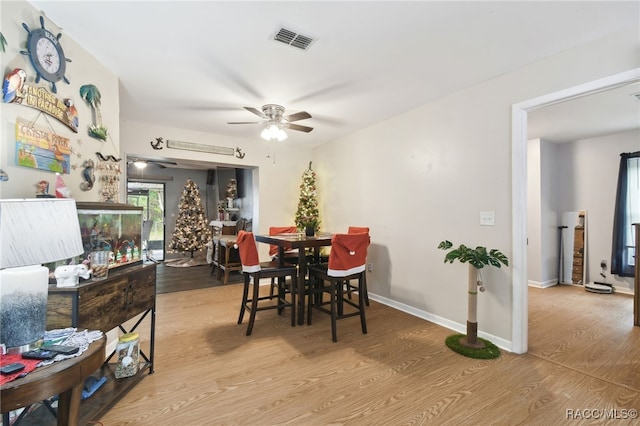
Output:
x=39 y=354
x=62 y=349
x=14 y=367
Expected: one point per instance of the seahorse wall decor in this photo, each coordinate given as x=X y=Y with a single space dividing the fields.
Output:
x=88 y=175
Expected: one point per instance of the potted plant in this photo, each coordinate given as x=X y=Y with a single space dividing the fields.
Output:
x=477 y=259
x=310 y=225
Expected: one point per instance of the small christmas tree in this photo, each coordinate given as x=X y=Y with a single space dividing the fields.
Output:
x=192 y=231
x=307 y=214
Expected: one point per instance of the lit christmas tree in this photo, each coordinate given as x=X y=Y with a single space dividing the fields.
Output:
x=192 y=231
x=307 y=214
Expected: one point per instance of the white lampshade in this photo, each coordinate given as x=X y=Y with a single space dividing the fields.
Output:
x=39 y=230
x=32 y=232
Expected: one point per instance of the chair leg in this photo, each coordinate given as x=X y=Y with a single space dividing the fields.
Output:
x=273 y=284
x=339 y=294
x=334 y=317
x=314 y=295
x=294 y=284
x=245 y=294
x=364 y=289
x=254 y=303
x=362 y=299
x=281 y=293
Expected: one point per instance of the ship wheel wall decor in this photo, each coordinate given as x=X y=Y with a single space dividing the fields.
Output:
x=46 y=55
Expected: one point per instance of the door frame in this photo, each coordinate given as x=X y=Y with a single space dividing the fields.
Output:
x=519 y=307
x=164 y=209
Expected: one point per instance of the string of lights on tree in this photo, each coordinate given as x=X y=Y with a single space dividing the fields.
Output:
x=307 y=214
x=192 y=231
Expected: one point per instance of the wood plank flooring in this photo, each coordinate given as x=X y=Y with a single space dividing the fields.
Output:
x=172 y=279
x=584 y=354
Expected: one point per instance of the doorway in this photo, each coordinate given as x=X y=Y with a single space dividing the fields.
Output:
x=519 y=336
x=151 y=197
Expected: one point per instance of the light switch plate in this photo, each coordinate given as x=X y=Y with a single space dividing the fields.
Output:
x=487 y=218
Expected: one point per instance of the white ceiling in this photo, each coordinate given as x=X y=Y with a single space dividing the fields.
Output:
x=196 y=64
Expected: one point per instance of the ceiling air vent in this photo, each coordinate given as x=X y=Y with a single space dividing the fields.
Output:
x=294 y=39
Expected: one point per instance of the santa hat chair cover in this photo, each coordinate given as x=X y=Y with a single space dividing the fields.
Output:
x=246 y=245
x=348 y=254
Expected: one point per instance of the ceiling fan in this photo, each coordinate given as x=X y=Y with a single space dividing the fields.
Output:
x=142 y=163
x=275 y=121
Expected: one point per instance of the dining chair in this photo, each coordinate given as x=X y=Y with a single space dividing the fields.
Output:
x=350 y=288
x=290 y=256
x=254 y=270
x=347 y=261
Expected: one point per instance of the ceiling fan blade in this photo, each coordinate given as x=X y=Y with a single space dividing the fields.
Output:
x=244 y=122
x=163 y=162
x=302 y=115
x=300 y=128
x=256 y=112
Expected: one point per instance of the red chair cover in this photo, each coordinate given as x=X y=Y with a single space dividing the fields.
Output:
x=358 y=230
x=348 y=254
x=246 y=244
x=275 y=230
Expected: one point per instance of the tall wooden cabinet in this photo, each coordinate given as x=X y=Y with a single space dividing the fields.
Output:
x=105 y=305
x=577 y=271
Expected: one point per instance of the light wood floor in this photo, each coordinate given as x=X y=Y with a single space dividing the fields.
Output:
x=584 y=354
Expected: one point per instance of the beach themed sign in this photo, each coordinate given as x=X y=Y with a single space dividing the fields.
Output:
x=38 y=148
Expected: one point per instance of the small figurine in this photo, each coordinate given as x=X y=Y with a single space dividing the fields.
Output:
x=13 y=85
x=61 y=189
x=42 y=190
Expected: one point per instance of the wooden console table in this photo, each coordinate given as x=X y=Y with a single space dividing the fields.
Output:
x=104 y=305
x=65 y=378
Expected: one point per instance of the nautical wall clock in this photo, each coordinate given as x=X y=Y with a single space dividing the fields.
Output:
x=46 y=55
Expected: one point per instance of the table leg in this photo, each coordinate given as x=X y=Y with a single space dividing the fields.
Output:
x=69 y=406
x=302 y=273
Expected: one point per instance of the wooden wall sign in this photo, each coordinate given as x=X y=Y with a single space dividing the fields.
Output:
x=15 y=91
x=38 y=148
x=190 y=146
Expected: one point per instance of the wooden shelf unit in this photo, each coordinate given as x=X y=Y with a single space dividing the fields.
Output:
x=104 y=305
x=577 y=272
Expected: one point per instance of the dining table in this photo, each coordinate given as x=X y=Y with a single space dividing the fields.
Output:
x=302 y=242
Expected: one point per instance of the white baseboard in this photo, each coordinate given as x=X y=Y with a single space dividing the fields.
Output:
x=444 y=322
x=543 y=284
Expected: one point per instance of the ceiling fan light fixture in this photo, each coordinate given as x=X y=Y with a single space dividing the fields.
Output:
x=282 y=135
x=273 y=131
x=140 y=164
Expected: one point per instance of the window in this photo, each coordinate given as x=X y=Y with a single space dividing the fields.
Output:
x=627 y=212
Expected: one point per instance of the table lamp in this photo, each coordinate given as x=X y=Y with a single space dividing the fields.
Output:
x=32 y=232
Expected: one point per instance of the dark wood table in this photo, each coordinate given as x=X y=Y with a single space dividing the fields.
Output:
x=64 y=378
x=301 y=242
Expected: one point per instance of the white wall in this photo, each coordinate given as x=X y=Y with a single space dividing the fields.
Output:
x=543 y=217
x=84 y=69
x=534 y=215
x=581 y=176
x=425 y=175
x=277 y=185
x=592 y=171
